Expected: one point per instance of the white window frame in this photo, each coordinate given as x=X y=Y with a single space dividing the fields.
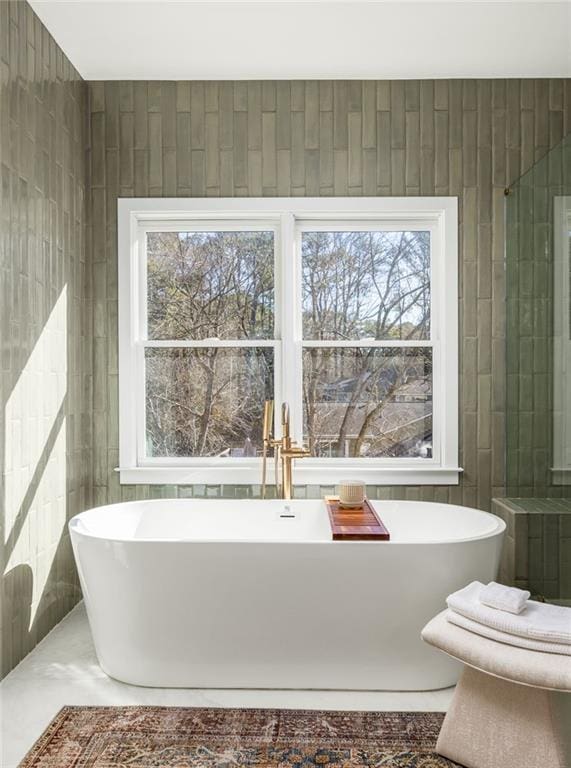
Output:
x=288 y=217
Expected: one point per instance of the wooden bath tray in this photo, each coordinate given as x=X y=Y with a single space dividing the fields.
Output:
x=356 y=524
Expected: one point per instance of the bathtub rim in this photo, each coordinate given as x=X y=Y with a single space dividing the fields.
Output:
x=499 y=528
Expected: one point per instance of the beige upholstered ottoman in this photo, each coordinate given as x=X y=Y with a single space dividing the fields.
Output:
x=512 y=706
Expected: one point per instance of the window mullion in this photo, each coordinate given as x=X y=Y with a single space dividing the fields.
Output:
x=289 y=322
x=140 y=400
x=207 y=343
x=369 y=344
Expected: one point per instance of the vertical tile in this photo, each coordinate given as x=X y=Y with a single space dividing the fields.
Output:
x=469 y=148
x=212 y=147
x=284 y=172
x=412 y=95
x=312 y=115
x=297 y=95
x=126 y=154
x=398 y=167
x=383 y=95
x=426 y=108
x=441 y=94
x=197 y=117
x=340 y=115
x=325 y=95
x=140 y=98
x=297 y=149
x=226 y=173
x=441 y=150
x=197 y=173
x=211 y=96
x=241 y=96
x=369 y=115
x=226 y=100
x=485 y=184
x=255 y=173
x=111 y=115
x=340 y=180
x=183 y=150
x=499 y=155
x=268 y=96
x=312 y=185
x=283 y=115
x=241 y=149
x=355 y=170
x=254 y=115
x=354 y=96
x=455 y=114
x=155 y=151
x=269 y=159
x=412 y=158
x=397 y=115
x=183 y=96
x=168 y=115
x=384 y=149
x=326 y=149
x=426 y=137
x=541 y=97
x=369 y=187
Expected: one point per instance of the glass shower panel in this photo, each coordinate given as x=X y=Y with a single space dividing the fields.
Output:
x=538 y=346
x=538 y=366
x=561 y=340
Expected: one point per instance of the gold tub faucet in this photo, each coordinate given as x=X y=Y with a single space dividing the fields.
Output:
x=285 y=451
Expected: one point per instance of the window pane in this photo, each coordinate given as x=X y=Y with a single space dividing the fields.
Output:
x=206 y=402
x=210 y=284
x=368 y=402
x=359 y=285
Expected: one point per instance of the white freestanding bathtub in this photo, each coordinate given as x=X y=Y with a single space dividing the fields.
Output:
x=230 y=594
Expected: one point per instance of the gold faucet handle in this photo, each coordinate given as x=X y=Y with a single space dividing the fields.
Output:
x=296 y=452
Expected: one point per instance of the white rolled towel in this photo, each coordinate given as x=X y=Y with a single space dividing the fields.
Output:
x=504 y=598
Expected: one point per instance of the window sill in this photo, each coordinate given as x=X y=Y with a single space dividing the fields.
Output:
x=248 y=474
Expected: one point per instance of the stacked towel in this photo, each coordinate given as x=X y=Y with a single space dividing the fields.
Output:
x=504 y=598
x=537 y=623
x=503 y=637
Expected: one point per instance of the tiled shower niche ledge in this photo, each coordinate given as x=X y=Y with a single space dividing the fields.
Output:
x=537 y=545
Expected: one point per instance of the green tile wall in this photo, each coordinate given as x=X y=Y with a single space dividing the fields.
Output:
x=448 y=137
x=537 y=546
x=45 y=331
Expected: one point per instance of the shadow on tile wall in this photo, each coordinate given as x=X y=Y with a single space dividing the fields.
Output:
x=45 y=422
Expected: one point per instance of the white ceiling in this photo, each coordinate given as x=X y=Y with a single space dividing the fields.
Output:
x=286 y=39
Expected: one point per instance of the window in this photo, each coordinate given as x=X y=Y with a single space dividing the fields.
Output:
x=344 y=308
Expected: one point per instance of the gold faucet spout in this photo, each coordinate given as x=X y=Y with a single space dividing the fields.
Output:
x=285 y=451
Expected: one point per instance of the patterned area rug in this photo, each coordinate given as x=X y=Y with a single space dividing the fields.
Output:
x=173 y=737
